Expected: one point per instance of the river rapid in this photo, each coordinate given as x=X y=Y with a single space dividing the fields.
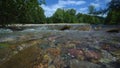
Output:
x=62 y=47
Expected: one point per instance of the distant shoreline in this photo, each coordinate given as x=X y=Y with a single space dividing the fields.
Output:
x=19 y=27
x=25 y=25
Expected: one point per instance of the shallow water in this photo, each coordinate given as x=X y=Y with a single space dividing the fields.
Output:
x=46 y=48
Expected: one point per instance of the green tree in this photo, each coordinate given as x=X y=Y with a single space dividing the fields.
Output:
x=21 y=11
x=58 y=16
x=70 y=15
x=84 y=18
x=91 y=9
x=113 y=12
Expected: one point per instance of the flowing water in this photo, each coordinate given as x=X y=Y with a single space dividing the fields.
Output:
x=42 y=47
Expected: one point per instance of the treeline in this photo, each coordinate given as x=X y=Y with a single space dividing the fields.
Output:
x=70 y=16
x=21 y=11
x=31 y=12
x=113 y=16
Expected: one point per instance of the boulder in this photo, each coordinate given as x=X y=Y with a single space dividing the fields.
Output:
x=74 y=63
x=114 y=30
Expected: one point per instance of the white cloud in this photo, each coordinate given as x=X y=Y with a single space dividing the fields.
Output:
x=107 y=0
x=83 y=10
x=69 y=2
x=49 y=10
x=95 y=4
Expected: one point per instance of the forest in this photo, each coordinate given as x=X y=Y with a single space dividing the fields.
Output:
x=31 y=12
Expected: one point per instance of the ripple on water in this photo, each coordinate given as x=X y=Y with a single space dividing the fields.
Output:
x=5 y=31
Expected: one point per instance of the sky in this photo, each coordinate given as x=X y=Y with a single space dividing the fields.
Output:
x=81 y=6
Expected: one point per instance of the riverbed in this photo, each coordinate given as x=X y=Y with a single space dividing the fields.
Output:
x=62 y=47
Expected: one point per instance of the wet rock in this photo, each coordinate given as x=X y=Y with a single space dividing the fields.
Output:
x=72 y=44
x=66 y=27
x=52 y=38
x=116 y=54
x=97 y=28
x=106 y=47
x=107 y=57
x=82 y=64
x=51 y=66
x=65 y=57
x=115 y=64
x=15 y=52
x=40 y=66
x=54 y=51
x=58 y=62
x=84 y=28
x=75 y=52
x=110 y=46
x=47 y=59
x=43 y=46
x=115 y=30
x=90 y=54
x=20 y=48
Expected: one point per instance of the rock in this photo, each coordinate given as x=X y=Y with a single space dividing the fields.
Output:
x=39 y=66
x=72 y=44
x=44 y=46
x=84 y=55
x=15 y=52
x=115 y=30
x=66 y=27
x=106 y=47
x=58 y=62
x=16 y=28
x=52 y=38
x=54 y=51
x=107 y=57
x=51 y=66
x=75 y=52
x=98 y=28
x=81 y=57
x=20 y=48
x=90 y=54
x=110 y=46
x=82 y=64
x=47 y=59
x=117 y=54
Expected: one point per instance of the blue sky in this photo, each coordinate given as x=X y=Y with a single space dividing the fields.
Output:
x=81 y=6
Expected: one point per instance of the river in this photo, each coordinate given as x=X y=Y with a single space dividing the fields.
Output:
x=60 y=47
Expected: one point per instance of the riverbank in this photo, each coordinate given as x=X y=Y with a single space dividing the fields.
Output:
x=61 y=26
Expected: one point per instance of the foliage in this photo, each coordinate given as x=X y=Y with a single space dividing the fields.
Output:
x=31 y=12
x=83 y=18
x=113 y=12
x=70 y=16
x=91 y=9
x=58 y=16
x=21 y=11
